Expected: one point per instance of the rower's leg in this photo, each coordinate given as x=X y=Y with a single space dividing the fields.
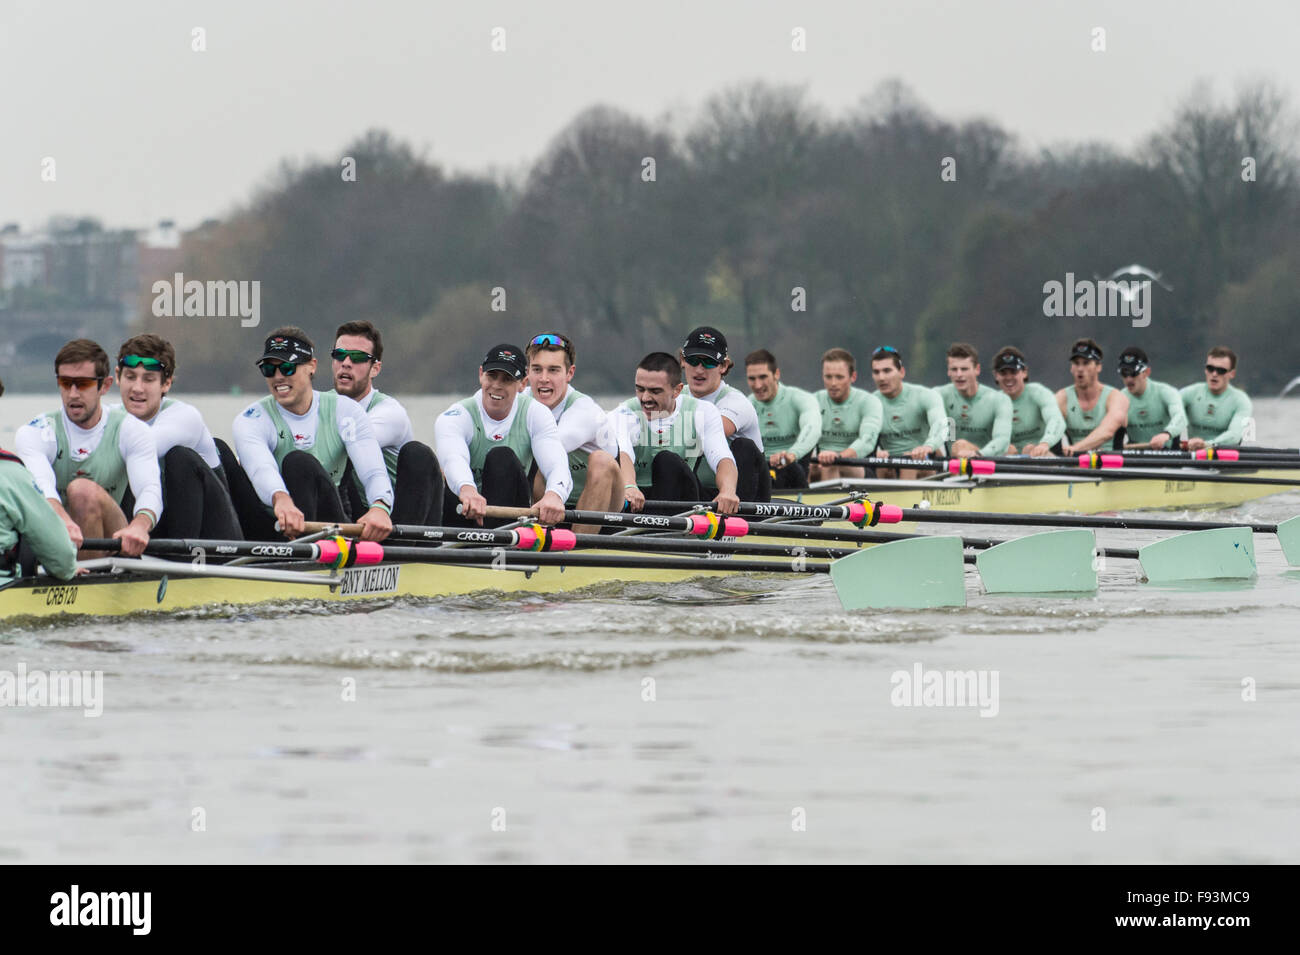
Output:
x=94 y=512
x=791 y=476
x=672 y=480
x=753 y=479
x=196 y=503
x=312 y=490
x=417 y=498
x=603 y=491
x=350 y=493
x=504 y=482
x=256 y=520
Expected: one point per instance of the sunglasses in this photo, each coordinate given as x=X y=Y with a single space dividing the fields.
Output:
x=1217 y=370
x=1011 y=366
x=357 y=357
x=559 y=341
x=269 y=368
x=698 y=361
x=884 y=350
x=139 y=361
x=81 y=384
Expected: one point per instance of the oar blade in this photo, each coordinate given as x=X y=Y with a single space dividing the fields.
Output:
x=1288 y=535
x=914 y=574
x=1228 y=552
x=1053 y=562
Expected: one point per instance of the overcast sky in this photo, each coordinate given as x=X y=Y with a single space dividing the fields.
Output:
x=141 y=127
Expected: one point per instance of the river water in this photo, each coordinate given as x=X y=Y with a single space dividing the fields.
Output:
x=683 y=723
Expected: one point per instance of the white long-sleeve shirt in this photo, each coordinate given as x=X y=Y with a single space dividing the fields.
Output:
x=389 y=421
x=38 y=446
x=178 y=424
x=707 y=422
x=256 y=436
x=454 y=430
x=583 y=426
x=737 y=407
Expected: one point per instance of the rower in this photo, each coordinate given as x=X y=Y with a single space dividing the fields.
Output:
x=850 y=419
x=662 y=432
x=1155 y=409
x=587 y=439
x=981 y=415
x=196 y=500
x=31 y=534
x=88 y=457
x=1217 y=413
x=357 y=357
x=790 y=419
x=1094 y=413
x=294 y=446
x=489 y=441
x=1037 y=426
x=704 y=364
x=913 y=423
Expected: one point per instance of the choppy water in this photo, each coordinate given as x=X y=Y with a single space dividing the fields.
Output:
x=475 y=713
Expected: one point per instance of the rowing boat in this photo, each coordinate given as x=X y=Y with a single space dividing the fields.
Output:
x=166 y=586
x=1048 y=493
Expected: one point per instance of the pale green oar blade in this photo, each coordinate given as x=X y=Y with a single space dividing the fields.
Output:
x=1288 y=535
x=916 y=573
x=1200 y=555
x=1053 y=562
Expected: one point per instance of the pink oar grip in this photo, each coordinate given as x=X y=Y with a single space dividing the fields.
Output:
x=327 y=551
x=563 y=540
x=735 y=527
x=856 y=513
x=983 y=467
x=1112 y=460
x=699 y=525
x=525 y=538
x=368 y=552
x=954 y=466
x=890 y=513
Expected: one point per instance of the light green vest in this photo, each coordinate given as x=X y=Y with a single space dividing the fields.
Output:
x=328 y=449
x=1079 y=423
x=652 y=442
x=105 y=465
x=516 y=439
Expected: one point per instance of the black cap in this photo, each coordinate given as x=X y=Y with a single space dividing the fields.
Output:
x=1007 y=360
x=1084 y=350
x=706 y=342
x=507 y=358
x=282 y=348
x=1133 y=360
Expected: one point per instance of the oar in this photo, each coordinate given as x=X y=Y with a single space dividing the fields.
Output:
x=1227 y=460
x=982 y=467
x=369 y=553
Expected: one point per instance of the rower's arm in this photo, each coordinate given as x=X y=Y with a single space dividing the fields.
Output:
x=363 y=450
x=1001 y=436
x=136 y=445
x=713 y=441
x=1234 y=434
x=25 y=510
x=1053 y=420
x=36 y=444
x=1177 y=413
x=548 y=450
x=580 y=424
x=810 y=426
x=873 y=416
x=937 y=416
x=452 y=433
x=254 y=436
x=1115 y=418
x=390 y=424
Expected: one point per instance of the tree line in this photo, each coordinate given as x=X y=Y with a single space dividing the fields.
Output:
x=786 y=228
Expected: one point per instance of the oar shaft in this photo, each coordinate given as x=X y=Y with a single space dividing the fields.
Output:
x=1080 y=520
x=988 y=467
